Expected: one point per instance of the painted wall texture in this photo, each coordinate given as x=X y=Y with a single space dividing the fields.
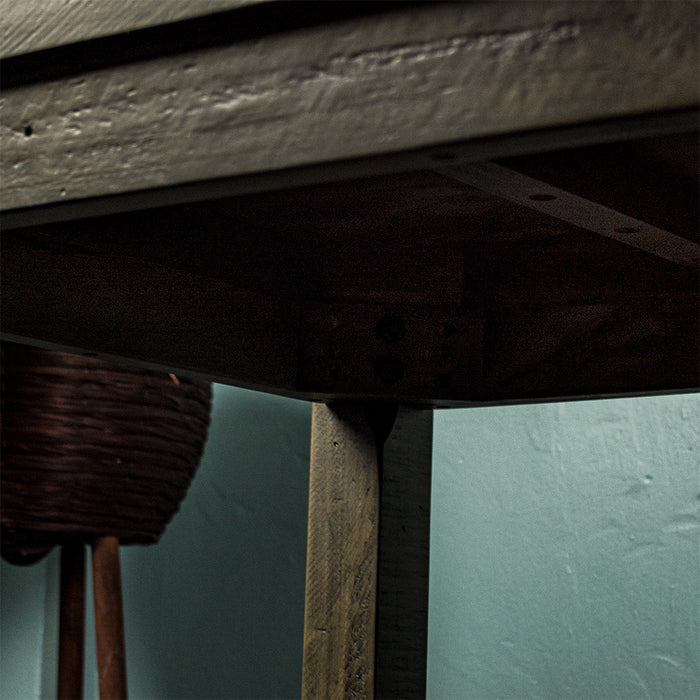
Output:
x=565 y=551
x=565 y=561
x=216 y=609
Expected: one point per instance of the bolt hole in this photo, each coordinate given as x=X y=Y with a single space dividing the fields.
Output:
x=626 y=229
x=28 y=131
x=542 y=197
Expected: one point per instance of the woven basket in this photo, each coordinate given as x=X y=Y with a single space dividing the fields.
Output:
x=90 y=449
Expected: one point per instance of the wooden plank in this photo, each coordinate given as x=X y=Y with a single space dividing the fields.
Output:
x=417 y=77
x=654 y=179
x=248 y=21
x=643 y=346
x=414 y=288
x=404 y=544
x=341 y=563
x=480 y=149
x=581 y=212
x=390 y=351
x=33 y=25
x=647 y=345
x=368 y=548
x=74 y=297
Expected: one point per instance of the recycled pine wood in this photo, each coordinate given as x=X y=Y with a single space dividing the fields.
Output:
x=109 y=619
x=290 y=288
x=412 y=76
x=40 y=24
x=342 y=551
x=414 y=287
x=366 y=617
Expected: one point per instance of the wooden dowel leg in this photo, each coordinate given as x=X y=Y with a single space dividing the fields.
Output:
x=71 y=639
x=341 y=565
x=109 y=619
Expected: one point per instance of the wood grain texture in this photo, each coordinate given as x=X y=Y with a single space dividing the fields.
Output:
x=581 y=212
x=498 y=146
x=419 y=76
x=652 y=179
x=345 y=346
x=71 y=637
x=413 y=287
x=170 y=316
x=593 y=349
x=109 y=619
x=341 y=566
x=32 y=25
x=404 y=557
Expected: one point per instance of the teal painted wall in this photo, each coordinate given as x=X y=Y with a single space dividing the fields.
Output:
x=216 y=609
x=565 y=551
x=565 y=560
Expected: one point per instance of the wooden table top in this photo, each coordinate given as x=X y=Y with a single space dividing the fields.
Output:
x=442 y=204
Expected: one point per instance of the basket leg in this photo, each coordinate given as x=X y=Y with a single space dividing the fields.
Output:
x=71 y=639
x=109 y=619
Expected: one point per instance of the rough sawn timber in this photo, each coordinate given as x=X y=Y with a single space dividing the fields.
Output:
x=32 y=25
x=417 y=76
x=341 y=561
x=414 y=287
x=366 y=617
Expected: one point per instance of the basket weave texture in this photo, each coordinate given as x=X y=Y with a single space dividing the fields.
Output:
x=92 y=449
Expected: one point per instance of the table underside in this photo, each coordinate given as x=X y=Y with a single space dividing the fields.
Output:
x=443 y=205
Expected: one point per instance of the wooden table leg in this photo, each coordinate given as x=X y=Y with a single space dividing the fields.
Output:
x=71 y=637
x=404 y=557
x=351 y=649
x=109 y=619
